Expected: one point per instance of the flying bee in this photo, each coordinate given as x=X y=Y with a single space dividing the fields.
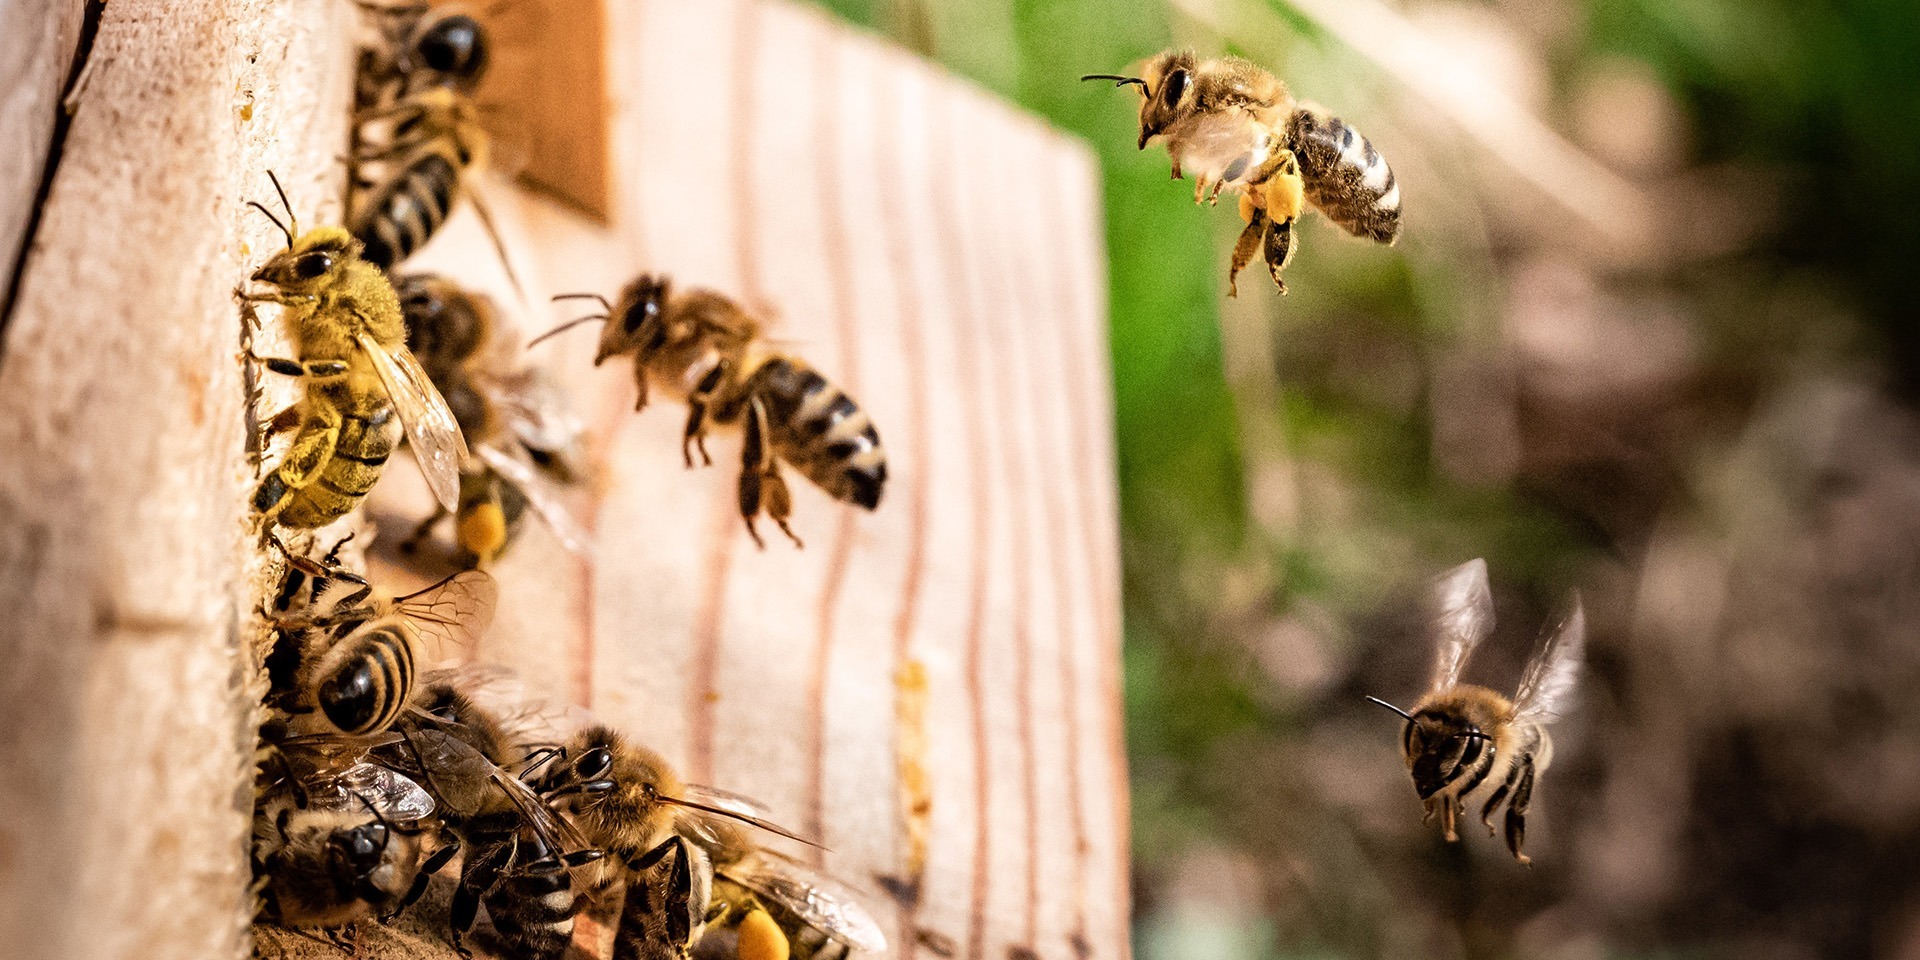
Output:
x=336 y=845
x=657 y=830
x=707 y=349
x=526 y=442
x=345 y=662
x=519 y=851
x=350 y=342
x=1234 y=126
x=1463 y=740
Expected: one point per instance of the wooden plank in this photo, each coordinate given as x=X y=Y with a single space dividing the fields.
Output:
x=37 y=43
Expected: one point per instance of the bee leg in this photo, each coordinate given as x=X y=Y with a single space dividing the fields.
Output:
x=310 y=451
x=1279 y=250
x=1449 y=815
x=1517 y=811
x=1178 y=174
x=640 y=383
x=440 y=858
x=423 y=530
x=1243 y=249
x=1499 y=794
x=696 y=433
x=752 y=452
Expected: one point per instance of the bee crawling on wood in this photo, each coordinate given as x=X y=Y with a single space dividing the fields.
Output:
x=362 y=385
x=707 y=349
x=1463 y=740
x=1234 y=126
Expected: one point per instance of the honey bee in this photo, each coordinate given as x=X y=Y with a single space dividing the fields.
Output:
x=345 y=663
x=657 y=831
x=418 y=135
x=350 y=341
x=1234 y=126
x=704 y=347
x=766 y=906
x=519 y=852
x=516 y=422
x=336 y=845
x=1463 y=740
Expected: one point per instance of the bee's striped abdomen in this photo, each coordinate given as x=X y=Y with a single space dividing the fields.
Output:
x=533 y=913
x=368 y=433
x=821 y=431
x=366 y=679
x=1346 y=178
x=405 y=212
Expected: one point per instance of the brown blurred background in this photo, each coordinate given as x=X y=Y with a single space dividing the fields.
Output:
x=1647 y=334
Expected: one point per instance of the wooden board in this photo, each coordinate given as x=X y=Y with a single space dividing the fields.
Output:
x=936 y=253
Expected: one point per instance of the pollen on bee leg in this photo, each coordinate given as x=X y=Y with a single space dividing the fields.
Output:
x=761 y=938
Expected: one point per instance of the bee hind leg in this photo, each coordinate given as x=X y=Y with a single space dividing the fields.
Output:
x=1250 y=239
x=696 y=432
x=1499 y=794
x=1517 y=812
x=761 y=486
x=1279 y=250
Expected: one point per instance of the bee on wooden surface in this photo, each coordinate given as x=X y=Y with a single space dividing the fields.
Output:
x=1463 y=740
x=345 y=663
x=525 y=441
x=335 y=845
x=657 y=831
x=707 y=349
x=1234 y=126
x=349 y=344
x=518 y=851
x=766 y=906
x=419 y=47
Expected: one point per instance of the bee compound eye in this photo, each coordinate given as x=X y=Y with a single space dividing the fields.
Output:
x=313 y=265
x=1175 y=87
x=350 y=698
x=454 y=45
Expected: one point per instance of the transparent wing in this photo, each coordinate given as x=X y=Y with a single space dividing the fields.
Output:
x=537 y=413
x=453 y=612
x=818 y=900
x=432 y=430
x=1462 y=617
x=540 y=495
x=552 y=828
x=390 y=794
x=714 y=801
x=1551 y=677
x=526 y=718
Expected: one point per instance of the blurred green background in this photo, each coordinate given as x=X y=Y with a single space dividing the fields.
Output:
x=1647 y=334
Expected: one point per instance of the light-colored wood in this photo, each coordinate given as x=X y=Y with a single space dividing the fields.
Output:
x=934 y=252
x=37 y=39
x=124 y=562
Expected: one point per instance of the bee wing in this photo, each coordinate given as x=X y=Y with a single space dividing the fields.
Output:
x=537 y=413
x=552 y=828
x=714 y=801
x=1462 y=617
x=1555 y=669
x=453 y=612
x=431 y=428
x=818 y=900
x=390 y=794
x=540 y=495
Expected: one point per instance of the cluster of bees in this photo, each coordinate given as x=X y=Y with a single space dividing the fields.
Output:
x=375 y=775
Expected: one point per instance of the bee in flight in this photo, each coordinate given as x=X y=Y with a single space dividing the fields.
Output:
x=706 y=348
x=345 y=663
x=1234 y=126
x=519 y=852
x=336 y=841
x=349 y=344
x=1463 y=741
x=525 y=441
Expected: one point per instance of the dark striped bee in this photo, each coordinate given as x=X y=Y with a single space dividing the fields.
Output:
x=704 y=347
x=336 y=843
x=344 y=662
x=518 y=851
x=525 y=441
x=350 y=350
x=1234 y=126
x=1463 y=740
x=417 y=131
x=767 y=906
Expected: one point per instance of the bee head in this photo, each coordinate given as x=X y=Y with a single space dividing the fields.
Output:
x=454 y=46
x=311 y=260
x=1440 y=745
x=1167 y=82
x=638 y=321
x=357 y=851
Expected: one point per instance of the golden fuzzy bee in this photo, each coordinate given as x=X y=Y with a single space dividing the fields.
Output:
x=345 y=662
x=1464 y=741
x=349 y=344
x=417 y=129
x=334 y=844
x=526 y=442
x=658 y=832
x=1234 y=126
x=519 y=852
x=704 y=347
x=766 y=906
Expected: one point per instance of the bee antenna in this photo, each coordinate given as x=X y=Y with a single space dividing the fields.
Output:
x=604 y=305
x=293 y=222
x=276 y=221
x=1118 y=81
x=567 y=326
x=1390 y=706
